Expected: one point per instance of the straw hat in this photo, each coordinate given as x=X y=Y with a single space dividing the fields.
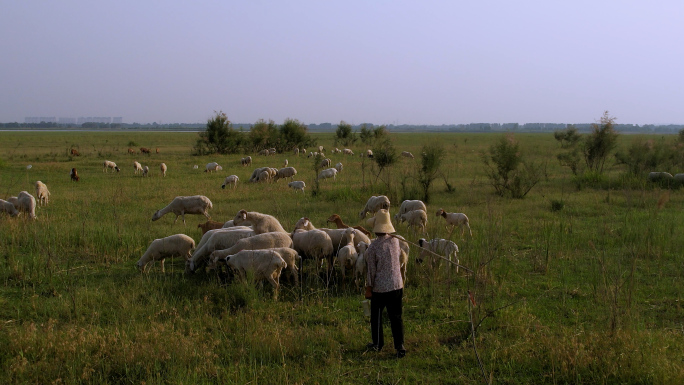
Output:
x=382 y=222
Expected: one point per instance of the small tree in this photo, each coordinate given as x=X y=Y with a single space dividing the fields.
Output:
x=263 y=135
x=431 y=158
x=219 y=137
x=503 y=164
x=344 y=134
x=294 y=134
x=384 y=155
x=568 y=137
x=366 y=134
x=599 y=144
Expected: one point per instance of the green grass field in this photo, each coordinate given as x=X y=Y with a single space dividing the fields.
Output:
x=590 y=293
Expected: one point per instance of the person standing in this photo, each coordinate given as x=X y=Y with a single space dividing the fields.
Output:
x=385 y=287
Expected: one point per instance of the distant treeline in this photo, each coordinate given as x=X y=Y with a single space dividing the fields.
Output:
x=330 y=127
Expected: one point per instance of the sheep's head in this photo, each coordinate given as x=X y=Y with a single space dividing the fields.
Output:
x=223 y=186
x=333 y=218
x=362 y=246
x=441 y=213
x=240 y=217
x=117 y=168
x=156 y=215
x=303 y=223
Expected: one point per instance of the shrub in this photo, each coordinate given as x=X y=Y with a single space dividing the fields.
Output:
x=219 y=137
x=263 y=135
x=508 y=173
x=431 y=157
x=568 y=137
x=294 y=134
x=598 y=145
x=643 y=156
x=344 y=134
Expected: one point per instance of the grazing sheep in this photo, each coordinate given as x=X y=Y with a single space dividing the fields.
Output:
x=297 y=185
x=210 y=225
x=262 y=223
x=369 y=154
x=320 y=148
x=679 y=178
x=339 y=166
x=303 y=151
x=256 y=242
x=374 y=204
x=347 y=255
x=285 y=172
x=336 y=235
x=131 y=151
x=8 y=207
x=231 y=223
x=178 y=245
x=443 y=247
x=108 y=164
x=256 y=173
x=212 y=240
x=659 y=176
x=325 y=163
x=146 y=171
x=296 y=151
x=24 y=202
x=74 y=175
x=327 y=173
x=137 y=167
x=157 y=150
x=206 y=236
x=264 y=176
x=144 y=150
x=410 y=205
x=231 y=179
x=415 y=218
x=163 y=169
x=181 y=205
x=456 y=219
x=42 y=193
x=341 y=225
x=261 y=264
x=347 y=151
x=195 y=167
x=285 y=163
x=291 y=257
x=246 y=161
x=213 y=166
x=264 y=152
x=74 y=152
x=313 y=244
x=272 y=151
x=407 y=154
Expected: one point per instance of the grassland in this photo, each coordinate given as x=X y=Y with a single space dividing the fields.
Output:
x=590 y=293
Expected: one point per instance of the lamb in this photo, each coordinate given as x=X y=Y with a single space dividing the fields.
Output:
x=210 y=225
x=137 y=167
x=327 y=173
x=313 y=244
x=285 y=163
x=213 y=240
x=297 y=185
x=163 y=169
x=175 y=245
x=131 y=151
x=341 y=225
x=347 y=151
x=360 y=268
x=374 y=204
x=347 y=255
x=8 y=207
x=213 y=166
x=336 y=235
x=339 y=166
x=410 y=205
x=231 y=179
x=443 y=247
x=456 y=219
x=285 y=172
x=74 y=175
x=108 y=164
x=24 y=202
x=262 y=264
x=290 y=256
x=246 y=161
x=42 y=193
x=74 y=152
x=181 y=205
x=146 y=171
x=415 y=218
x=255 y=242
x=407 y=154
x=325 y=163
x=262 y=223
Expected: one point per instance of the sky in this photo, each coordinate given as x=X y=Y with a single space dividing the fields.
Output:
x=373 y=61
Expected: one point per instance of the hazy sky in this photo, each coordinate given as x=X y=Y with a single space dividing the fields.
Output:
x=400 y=62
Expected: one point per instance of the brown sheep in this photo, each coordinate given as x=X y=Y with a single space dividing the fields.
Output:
x=74 y=175
x=131 y=151
x=340 y=225
x=210 y=225
x=144 y=150
x=74 y=152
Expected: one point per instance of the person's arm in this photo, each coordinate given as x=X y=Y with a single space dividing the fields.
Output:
x=370 y=273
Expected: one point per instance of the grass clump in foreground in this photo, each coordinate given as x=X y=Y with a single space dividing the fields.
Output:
x=585 y=293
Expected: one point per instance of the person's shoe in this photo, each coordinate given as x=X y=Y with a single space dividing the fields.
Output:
x=373 y=347
x=401 y=353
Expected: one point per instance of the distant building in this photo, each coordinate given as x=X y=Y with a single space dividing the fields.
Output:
x=40 y=119
x=94 y=119
x=66 y=120
x=117 y=120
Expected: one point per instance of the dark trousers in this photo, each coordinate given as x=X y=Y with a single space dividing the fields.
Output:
x=392 y=301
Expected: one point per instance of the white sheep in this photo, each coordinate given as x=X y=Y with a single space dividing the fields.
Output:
x=320 y=148
x=285 y=163
x=24 y=202
x=246 y=161
x=178 y=245
x=256 y=173
x=313 y=244
x=256 y=242
x=443 y=247
x=360 y=268
x=339 y=166
x=297 y=185
x=106 y=165
x=285 y=172
x=162 y=167
x=272 y=151
x=296 y=151
x=347 y=151
x=348 y=255
x=456 y=219
x=369 y=154
x=137 y=167
x=410 y=205
x=264 y=152
x=374 y=204
x=42 y=193
x=264 y=176
x=231 y=179
x=261 y=264
x=213 y=240
x=213 y=166
x=231 y=223
x=146 y=171
x=195 y=167
x=262 y=223
x=303 y=151
x=327 y=173
x=195 y=204
x=207 y=234
x=291 y=257
x=8 y=207
x=415 y=218
x=325 y=163
x=407 y=154
x=336 y=235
